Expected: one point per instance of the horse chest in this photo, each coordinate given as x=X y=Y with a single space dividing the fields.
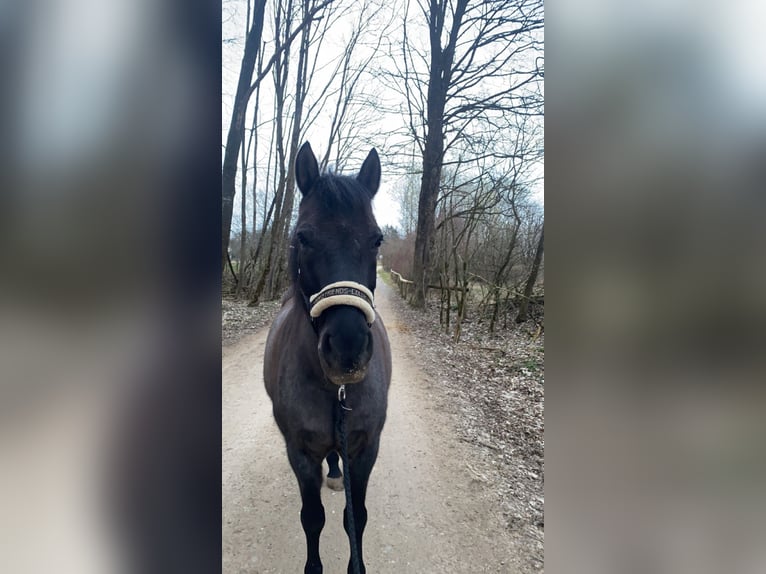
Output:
x=309 y=423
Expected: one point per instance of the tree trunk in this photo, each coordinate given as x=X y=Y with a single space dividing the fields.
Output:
x=252 y=146
x=522 y=316
x=440 y=73
x=283 y=230
x=499 y=278
x=429 y=194
x=237 y=124
x=281 y=73
x=242 y=220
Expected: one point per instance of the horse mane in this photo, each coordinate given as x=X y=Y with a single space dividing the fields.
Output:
x=287 y=295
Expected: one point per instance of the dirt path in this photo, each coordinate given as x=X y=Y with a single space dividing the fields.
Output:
x=427 y=514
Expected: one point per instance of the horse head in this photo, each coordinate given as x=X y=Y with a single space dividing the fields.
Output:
x=333 y=259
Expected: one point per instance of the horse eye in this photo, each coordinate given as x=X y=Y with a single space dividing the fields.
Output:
x=303 y=239
x=378 y=241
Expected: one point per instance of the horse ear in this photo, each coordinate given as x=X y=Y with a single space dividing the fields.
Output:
x=369 y=175
x=306 y=169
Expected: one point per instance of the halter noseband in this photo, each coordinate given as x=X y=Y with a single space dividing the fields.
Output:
x=343 y=293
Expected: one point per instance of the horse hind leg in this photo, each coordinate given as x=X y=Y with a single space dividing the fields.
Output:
x=334 y=475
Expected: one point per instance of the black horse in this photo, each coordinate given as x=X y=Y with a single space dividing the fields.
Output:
x=328 y=336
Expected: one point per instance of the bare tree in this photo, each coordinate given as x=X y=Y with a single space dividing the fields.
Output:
x=524 y=305
x=475 y=67
x=283 y=225
x=296 y=110
x=245 y=88
x=283 y=17
x=237 y=124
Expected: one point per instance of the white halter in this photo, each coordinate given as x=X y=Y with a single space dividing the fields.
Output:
x=343 y=293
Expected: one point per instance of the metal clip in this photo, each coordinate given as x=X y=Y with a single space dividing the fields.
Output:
x=342 y=397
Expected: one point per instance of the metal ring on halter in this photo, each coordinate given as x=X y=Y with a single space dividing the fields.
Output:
x=342 y=398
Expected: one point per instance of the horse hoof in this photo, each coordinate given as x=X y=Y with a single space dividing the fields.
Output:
x=335 y=483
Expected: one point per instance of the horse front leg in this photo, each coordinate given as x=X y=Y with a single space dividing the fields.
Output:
x=309 y=474
x=359 y=468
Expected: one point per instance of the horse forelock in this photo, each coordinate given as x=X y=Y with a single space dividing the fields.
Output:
x=342 y=193
x=335 y=202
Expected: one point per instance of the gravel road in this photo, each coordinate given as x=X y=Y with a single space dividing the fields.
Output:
x=427 y=513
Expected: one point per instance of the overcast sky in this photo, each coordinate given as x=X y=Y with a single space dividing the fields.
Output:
x=385 y=206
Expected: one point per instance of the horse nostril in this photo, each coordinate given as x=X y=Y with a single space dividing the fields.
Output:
x=326 y=345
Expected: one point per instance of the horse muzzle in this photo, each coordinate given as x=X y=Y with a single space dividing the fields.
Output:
x=347 y=378
x=345 y=339
x=344 y=353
